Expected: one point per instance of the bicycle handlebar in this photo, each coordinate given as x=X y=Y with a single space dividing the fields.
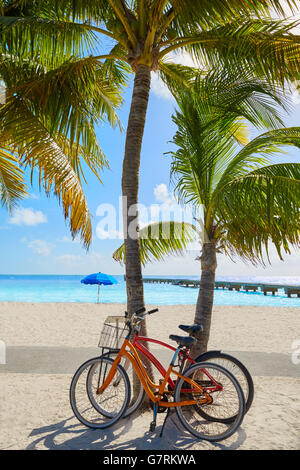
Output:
x=144 y=313
x=140 y=314
x=140 y=310
x=153 y=311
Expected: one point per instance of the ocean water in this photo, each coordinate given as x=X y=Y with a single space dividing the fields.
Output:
x=59 y=288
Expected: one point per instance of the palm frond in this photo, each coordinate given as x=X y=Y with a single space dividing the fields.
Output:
x=209 y=126
x=33 y=37
x=69 y=100
x=256 y=153
x=12 y=185
x=176 y=76
x=265 y=47
x=232 y=92
x=206 y=12
x=259 y=209
x=37 y=149
x=247 y=202
x=161 y=239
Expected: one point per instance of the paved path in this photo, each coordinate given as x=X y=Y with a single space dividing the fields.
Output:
x=65 y=360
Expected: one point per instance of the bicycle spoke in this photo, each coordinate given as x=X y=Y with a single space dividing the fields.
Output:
x=98 y=410
x=210 y=421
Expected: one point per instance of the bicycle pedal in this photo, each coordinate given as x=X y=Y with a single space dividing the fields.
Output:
x=152 y=426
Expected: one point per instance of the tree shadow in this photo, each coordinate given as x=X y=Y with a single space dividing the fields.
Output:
x=68 y=434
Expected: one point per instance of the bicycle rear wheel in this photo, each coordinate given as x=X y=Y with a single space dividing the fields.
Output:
x=113 y=401
x=236 y=367
x=227 y=402
x=137 y=391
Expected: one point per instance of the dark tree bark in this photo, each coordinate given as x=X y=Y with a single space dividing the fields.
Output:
x=205 y=299
x=130 y=186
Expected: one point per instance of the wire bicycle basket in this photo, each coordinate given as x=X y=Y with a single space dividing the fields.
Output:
x=113 y=333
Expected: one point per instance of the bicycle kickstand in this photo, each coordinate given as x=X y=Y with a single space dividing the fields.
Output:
x=163 y=426
x=153 y=423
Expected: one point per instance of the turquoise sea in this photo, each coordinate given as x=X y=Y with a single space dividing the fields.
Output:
x=63 y=288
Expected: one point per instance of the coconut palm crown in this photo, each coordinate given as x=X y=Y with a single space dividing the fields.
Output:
x=248 y=202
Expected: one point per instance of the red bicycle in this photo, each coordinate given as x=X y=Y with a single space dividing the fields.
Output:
x=110 y=342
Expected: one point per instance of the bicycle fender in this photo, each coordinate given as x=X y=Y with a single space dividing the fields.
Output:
x=206 y=355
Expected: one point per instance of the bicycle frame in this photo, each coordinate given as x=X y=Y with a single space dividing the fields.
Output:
x=133 y=357
x=159 y=366
x=153 y=359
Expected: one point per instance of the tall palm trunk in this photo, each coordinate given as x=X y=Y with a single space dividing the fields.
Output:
x=205 y=299
x=130 y=187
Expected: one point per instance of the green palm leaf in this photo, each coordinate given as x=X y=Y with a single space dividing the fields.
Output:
x=30 y=36
x=12 y=185
x=161 y=239
x=248 y=202
x=56 y=111
x=251 y=156
x=240 y=43
x=26 y=135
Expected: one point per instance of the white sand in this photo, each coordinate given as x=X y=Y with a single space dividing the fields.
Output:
x=35 y=411
x=78 y=324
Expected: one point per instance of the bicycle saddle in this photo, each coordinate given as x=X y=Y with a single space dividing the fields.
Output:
x=191 y=328
x=186 y=341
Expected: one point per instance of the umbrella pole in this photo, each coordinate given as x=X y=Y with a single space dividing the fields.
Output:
x=98 y=292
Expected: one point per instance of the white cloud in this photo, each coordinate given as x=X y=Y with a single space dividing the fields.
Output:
x=33 y=196
x=41 y=247
x=183 y=58
x=27 y=216
x=159 y=88
x=66 y=239
x=161 y=193
x=68 y=258
x=108 y=234
x=165 y=198
x=85 y=263
x=168 y=205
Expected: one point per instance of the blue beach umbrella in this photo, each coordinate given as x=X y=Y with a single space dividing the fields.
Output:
x=99 y=278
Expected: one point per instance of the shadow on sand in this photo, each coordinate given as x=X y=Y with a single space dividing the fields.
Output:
x=65 y=435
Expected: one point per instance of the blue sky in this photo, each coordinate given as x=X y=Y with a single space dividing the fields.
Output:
x=36 y=239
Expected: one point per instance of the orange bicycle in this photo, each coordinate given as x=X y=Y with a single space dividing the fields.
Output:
x=100 y=399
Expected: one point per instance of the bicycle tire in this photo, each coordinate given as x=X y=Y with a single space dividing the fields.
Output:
x=136 y=398
x=226 y=428
x=237 y=368
x=93 y=420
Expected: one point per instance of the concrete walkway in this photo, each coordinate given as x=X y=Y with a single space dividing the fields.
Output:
x=65 y=360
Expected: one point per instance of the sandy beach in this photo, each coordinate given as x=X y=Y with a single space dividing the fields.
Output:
x=34 y=402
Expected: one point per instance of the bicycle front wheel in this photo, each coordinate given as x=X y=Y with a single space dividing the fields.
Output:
x=137 y=391
x=227 y=401
x=113 y=401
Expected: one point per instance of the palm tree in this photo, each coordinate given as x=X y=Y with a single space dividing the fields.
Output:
x=247 y=202
x=143 y=34
x=47 y=123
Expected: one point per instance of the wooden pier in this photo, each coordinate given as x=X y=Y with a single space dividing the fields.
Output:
x=295 y=290
x=237 y=286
